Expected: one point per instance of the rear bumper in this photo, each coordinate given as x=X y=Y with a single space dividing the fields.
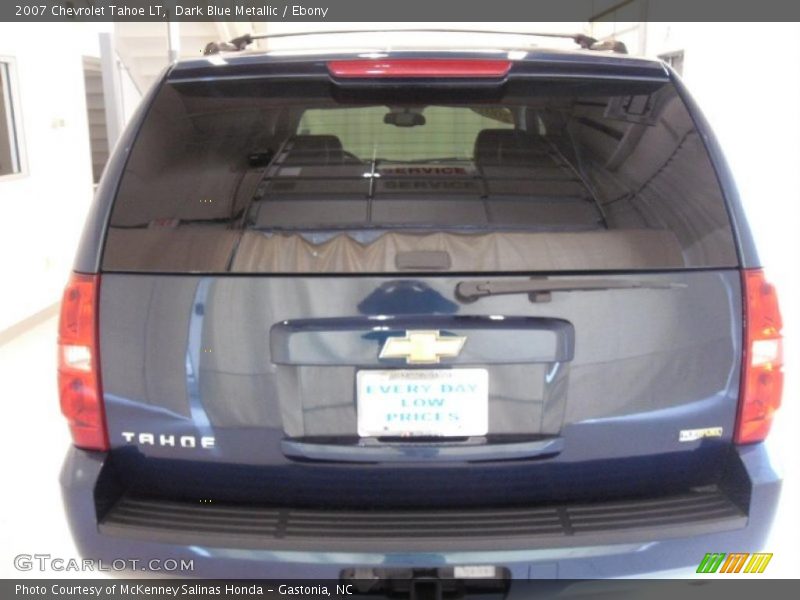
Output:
x=600 y=540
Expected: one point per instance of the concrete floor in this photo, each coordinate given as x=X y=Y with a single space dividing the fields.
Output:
x=34 y=438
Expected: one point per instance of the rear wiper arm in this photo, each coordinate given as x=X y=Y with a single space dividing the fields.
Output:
x=540 y=288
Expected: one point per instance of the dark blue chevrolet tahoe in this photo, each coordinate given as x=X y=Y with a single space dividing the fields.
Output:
x=454 y=314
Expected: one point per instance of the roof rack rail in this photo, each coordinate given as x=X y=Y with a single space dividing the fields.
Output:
x=584 y=41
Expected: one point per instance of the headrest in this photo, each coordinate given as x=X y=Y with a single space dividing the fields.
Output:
x=314 y=150
x=506 y=147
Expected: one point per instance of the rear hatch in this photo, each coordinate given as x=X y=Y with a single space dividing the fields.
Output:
x=506 y=288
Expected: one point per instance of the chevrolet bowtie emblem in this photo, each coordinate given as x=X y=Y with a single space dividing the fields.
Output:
x=422 y=347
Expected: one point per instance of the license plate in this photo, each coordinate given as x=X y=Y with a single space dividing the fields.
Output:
x=423 y=402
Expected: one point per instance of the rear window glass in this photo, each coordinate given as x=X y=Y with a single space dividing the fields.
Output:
x=263 y=177
x=449 y=132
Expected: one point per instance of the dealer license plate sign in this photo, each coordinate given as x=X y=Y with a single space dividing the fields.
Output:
x=423 y=402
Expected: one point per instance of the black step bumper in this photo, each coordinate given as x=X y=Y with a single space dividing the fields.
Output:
x=242 y=526
x=598 y=539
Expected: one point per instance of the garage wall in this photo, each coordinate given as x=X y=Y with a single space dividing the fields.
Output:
x=42 y=208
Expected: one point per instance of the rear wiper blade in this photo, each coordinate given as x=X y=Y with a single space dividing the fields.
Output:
x=540 y=288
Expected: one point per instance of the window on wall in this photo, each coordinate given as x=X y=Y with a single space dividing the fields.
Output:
x=9 y=142
x=674 y=60
x=96 y=115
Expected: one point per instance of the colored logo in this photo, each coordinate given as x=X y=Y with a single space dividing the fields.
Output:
x=422 y=347
x=737 y=562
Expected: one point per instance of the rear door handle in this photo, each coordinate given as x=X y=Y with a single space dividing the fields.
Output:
x=358 y=340
x=421 y=452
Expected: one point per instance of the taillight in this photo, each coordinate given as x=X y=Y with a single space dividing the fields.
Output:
x=78 y=368
x=415 y=68
x=762 y=369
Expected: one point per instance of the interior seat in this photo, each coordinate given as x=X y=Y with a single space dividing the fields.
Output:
x=316 y=150
x=509 y=147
